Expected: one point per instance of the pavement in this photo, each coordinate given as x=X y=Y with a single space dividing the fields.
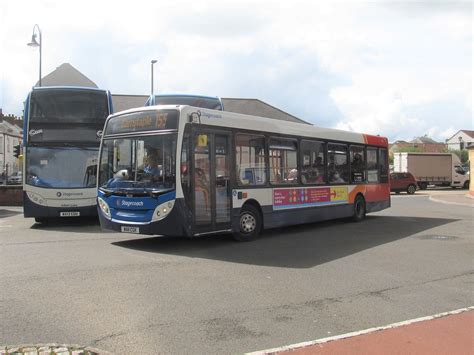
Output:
x=446 y=333
x=462 y=198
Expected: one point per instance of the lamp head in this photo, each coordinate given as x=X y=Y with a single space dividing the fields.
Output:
x=34 y=42
x=153 y=61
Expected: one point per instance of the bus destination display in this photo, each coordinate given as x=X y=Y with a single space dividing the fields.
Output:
x=143 y=121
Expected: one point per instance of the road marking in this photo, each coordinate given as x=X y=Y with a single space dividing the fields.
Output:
x=434 y=199
x=360 y=332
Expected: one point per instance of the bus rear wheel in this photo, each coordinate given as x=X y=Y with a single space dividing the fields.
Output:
x=359 y=209
x=250 y=224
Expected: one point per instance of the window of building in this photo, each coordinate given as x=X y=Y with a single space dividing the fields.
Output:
x=313 y=166
x=357 y=164
x=283 y=161
x=8 y=144
x=372 y=165
x=337 y=163
x=250 y=159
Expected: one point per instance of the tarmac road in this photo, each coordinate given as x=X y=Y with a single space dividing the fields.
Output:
x=70 y=283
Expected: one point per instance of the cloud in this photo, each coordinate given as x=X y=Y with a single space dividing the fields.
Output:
x=398 y=69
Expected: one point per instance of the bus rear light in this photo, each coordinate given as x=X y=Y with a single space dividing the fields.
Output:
x=104 y=207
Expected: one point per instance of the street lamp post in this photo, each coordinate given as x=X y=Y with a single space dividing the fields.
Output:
x=34 y=43
x=152 y=86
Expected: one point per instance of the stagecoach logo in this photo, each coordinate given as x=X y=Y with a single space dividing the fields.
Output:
x=99 y=134
x=34 y=132
x=69 y=194
x=122 y=203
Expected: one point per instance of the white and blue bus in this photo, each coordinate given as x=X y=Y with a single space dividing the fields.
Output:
x=62 y=129
x=209 y=102
x=187 y=171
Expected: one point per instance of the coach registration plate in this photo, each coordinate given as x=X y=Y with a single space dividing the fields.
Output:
x=128 y=229
x=70 y=214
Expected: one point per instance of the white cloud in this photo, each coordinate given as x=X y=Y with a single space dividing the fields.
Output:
x=397 y=69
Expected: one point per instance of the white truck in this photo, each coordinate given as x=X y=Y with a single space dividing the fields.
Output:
x=440 y=169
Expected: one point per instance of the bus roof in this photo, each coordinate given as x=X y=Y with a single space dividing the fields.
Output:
x=264 y=124
x=84 y=88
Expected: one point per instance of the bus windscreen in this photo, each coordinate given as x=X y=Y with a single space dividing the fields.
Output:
x=68 y=106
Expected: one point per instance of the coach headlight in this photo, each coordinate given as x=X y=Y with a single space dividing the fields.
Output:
x=104 y=207
x=38 y=199
x=162 y=211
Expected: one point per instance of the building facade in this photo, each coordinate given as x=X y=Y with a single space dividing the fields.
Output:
x=11 y=134
x=463 y=139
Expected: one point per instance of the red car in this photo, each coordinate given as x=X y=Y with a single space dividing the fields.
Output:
x=402 y=182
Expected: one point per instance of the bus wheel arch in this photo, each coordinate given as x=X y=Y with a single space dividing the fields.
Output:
x=250 y=222
x=360 y=208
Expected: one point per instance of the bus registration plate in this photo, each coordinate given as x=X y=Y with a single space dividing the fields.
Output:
x=70 y=214
x=128 y=229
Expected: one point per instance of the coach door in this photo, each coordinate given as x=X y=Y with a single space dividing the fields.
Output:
x=211 y=183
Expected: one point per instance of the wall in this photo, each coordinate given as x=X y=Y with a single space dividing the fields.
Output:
x=11 y=195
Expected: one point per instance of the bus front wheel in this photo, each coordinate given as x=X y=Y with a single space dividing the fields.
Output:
x=250 y=223
x=359 y=209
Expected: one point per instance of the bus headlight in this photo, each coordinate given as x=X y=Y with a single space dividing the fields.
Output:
x=162 y=211
x=38 y=199
x=104 y=207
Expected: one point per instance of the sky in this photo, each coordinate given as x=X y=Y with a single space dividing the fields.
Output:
x=400 y=69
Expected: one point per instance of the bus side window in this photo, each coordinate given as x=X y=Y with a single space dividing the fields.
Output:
x=313 y=165
x=383 y=165
x=283 y=161
x=337 y=163
x=372 y=165
x=250 y=160
x=357 y=164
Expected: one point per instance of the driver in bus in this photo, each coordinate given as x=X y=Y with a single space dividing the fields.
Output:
x=152 y=166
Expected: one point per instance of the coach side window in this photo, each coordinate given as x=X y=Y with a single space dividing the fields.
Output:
x=250 y=159
x=283 y=161
x=372 y=165
x=383 y=164
x=357 y=164
x=337 y=163
x=312 y=162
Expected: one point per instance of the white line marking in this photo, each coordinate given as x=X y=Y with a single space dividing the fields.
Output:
x=360 y=332
x=434 y=199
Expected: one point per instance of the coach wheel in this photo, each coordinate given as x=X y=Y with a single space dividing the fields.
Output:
x=359 y=209
x=250 y=223
x=411 y=189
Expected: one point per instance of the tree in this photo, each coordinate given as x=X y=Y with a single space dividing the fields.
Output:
x=462 y=154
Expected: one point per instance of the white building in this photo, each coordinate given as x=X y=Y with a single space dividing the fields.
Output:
x=10 y=136
x=461 y=140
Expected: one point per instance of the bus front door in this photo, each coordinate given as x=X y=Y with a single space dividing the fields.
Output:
x=211 y=182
